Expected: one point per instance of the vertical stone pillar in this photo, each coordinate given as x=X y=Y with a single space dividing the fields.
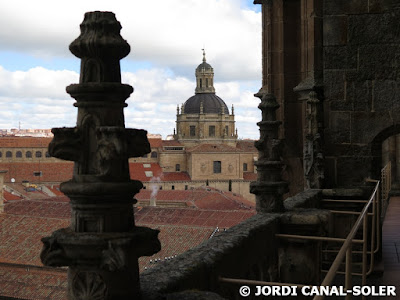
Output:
x=313 y=158
x=102 y=245
x=269 y=187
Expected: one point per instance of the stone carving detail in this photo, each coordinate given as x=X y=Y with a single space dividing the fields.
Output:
x=66 y=144
x=113 y=258
x=313 y=155
x=102 y=245
x=89 y=285
x=53 y=253
x=269 y=187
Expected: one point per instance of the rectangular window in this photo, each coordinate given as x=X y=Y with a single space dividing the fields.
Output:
x=217 y=166
x=177 y=167
x=244 y=167
x=227 y=130
x=211 y=131
x=192 y=130
x=206 y=82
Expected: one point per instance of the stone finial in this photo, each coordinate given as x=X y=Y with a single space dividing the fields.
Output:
x=100 y=46
x=182 y=109
x=269 y=187
x=233 y=110
x=102 y=244
x=177 y=110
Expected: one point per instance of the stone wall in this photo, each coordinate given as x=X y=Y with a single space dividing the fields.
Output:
x=249 y=250
x=361 y=85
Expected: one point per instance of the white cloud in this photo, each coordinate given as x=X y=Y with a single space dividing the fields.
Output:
x=165 y=37
x=167 y=33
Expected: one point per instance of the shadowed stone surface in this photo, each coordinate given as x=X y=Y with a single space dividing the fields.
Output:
x=102 y=245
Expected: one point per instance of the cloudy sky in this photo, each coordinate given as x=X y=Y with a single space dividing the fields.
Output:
x=166 y=38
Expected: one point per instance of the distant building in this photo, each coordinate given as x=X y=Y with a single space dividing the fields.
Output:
x=204 y=150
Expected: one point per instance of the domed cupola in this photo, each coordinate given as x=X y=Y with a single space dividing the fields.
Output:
x=205 y=117
x=204 y=77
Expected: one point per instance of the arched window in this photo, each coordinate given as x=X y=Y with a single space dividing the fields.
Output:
x=38 y=154
x=28 y=154
x=8 y=154
x=47 y=154
x=154 y=154
x=206 y=82
x=145 y=156
x=18 y=154
x=201 y=83
x=1 y=154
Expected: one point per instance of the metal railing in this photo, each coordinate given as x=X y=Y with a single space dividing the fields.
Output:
x=346 y=249
x=386 y=181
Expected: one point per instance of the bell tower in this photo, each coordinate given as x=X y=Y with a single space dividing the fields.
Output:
x=204 y=77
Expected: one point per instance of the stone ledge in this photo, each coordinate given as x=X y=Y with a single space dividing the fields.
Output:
x=200 y=267
x=306 y=199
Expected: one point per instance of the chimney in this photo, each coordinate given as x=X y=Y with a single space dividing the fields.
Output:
x=2 y=173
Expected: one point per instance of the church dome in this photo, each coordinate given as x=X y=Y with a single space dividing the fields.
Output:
x=204 y=66
x=212 y=104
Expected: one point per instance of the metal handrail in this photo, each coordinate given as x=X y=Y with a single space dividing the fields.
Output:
x=345 y=250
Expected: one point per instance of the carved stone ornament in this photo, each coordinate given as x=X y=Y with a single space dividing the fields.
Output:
x=89 y=286
x=102 y=245
x=269 y=187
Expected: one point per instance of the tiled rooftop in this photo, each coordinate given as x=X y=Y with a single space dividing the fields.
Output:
x=249 y=176
x=246 y=145
x=24 y=142
x=202 y=198
x=155 y=143
x=23 y=282
x=51 y=171
x=191 y=217
x=10 y=197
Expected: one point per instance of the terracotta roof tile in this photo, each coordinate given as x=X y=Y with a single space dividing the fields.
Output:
x=51 y=171
x=10 y=197
x=171 y=143
x=137 y=171
x=246 y=146
x=155 y=143
x=202 y=198
x=250 y=176
x=24 y=142
x=24 y=282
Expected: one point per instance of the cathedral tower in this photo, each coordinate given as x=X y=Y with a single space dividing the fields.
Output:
x=205 y=117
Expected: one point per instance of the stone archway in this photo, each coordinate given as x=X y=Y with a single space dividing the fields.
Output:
x=385 y=147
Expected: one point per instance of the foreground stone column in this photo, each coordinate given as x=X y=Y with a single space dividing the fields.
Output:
x=102 y=245
x=269 y=187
